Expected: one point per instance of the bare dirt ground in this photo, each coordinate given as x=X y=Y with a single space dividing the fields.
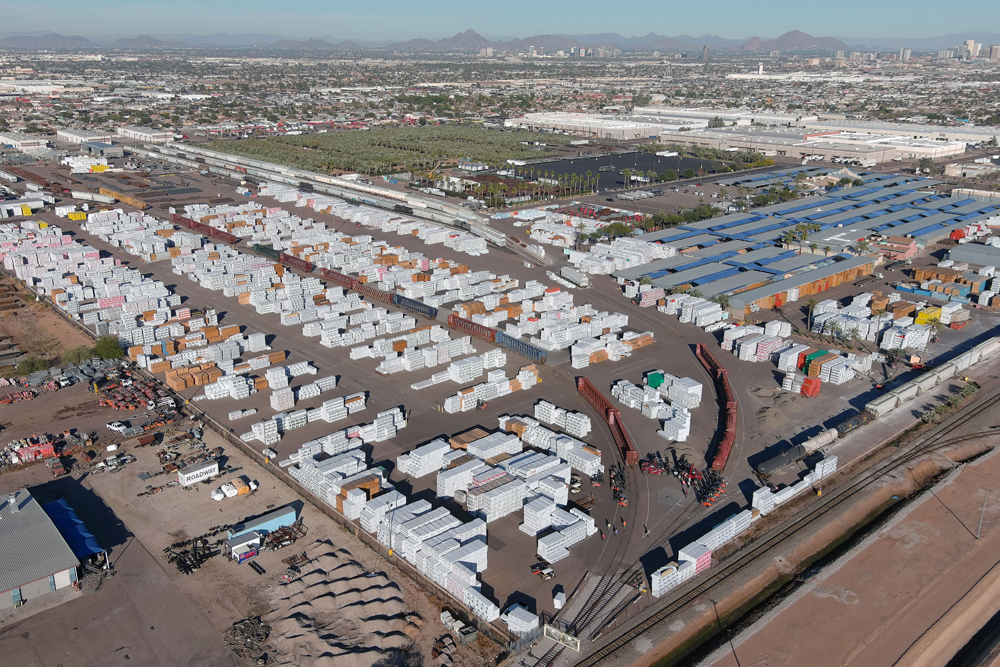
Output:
x=52 y=412
x=39 y=331
x=888 y=602
x=157 y=616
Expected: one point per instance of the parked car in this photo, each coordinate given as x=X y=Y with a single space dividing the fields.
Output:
x=117 y=427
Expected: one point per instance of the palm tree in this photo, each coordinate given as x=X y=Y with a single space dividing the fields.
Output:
x=826 y=251
x=628 y=178
x=935 y=324
x=813 y=247
x=811 y=306
x=590 y=175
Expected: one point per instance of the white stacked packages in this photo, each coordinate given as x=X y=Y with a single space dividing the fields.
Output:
x=282 y=399
x=766 y=500
x=684 y=392
x=277 y=377
x=575 y=423
x=788 y=359
x=675 y=426
x=555 y=546
x=307 y=391
x=730 y=336
x=423 y=460
x=779 y=328
x=240 y=414
x=520 y=621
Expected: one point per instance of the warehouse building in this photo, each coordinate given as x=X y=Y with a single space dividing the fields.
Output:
x=35 y=558
x=867 y=149
x=743 y=255
x=83 y=136
x=975 y=254
x=102 y=149
x=699 y=116
x=22 y=142
x=146 y=134
x=601 y=127
x=968 y=133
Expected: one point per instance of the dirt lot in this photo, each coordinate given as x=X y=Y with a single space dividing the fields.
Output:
x=185 y=615
x=889 y=596
x=39 y=331
x=52 y=412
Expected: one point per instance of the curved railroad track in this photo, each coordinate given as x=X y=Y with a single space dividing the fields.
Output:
x=833 y=501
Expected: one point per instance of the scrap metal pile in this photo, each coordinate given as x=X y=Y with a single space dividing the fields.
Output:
x=248 y=639
x=129 y=394
x=17 y=397
x=283 y=537
x=190 y=560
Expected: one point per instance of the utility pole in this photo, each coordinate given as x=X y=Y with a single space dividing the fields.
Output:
x=983 y=514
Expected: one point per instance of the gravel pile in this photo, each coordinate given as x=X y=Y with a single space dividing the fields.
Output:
x=336 y=614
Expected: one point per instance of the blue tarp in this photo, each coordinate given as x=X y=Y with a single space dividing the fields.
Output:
x=73 y=530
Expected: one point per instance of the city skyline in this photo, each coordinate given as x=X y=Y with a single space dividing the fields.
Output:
x=395 y=20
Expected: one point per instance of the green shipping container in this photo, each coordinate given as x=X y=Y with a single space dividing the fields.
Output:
x=815 y=355
x=654 y=380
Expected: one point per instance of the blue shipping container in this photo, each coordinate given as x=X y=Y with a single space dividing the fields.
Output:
x=961 y=299
x=904 y=288
x=266 y=523
x=528 y=350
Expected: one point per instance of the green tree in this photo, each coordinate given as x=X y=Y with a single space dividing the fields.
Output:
x=78 y=355
x=669 y=175
x=109 y=348
x=716 y=122
x=617 y=229
x=688 y=173
x=30 y=365
x=811 y=304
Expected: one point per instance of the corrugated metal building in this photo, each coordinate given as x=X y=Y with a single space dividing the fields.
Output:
x=34 y=556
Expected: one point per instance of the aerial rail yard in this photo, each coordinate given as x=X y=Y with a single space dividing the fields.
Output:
x=642 y=430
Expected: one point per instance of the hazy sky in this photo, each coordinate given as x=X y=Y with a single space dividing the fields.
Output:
x=398 y=19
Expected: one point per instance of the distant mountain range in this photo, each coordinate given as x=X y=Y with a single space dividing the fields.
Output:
x=471 y=41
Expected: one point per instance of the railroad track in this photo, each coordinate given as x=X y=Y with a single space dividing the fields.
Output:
x=931 y=442
x=550 y=656
x=618 y=576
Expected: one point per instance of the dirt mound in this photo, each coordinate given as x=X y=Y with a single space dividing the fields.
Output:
x=771 y=418
x=339 y=614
